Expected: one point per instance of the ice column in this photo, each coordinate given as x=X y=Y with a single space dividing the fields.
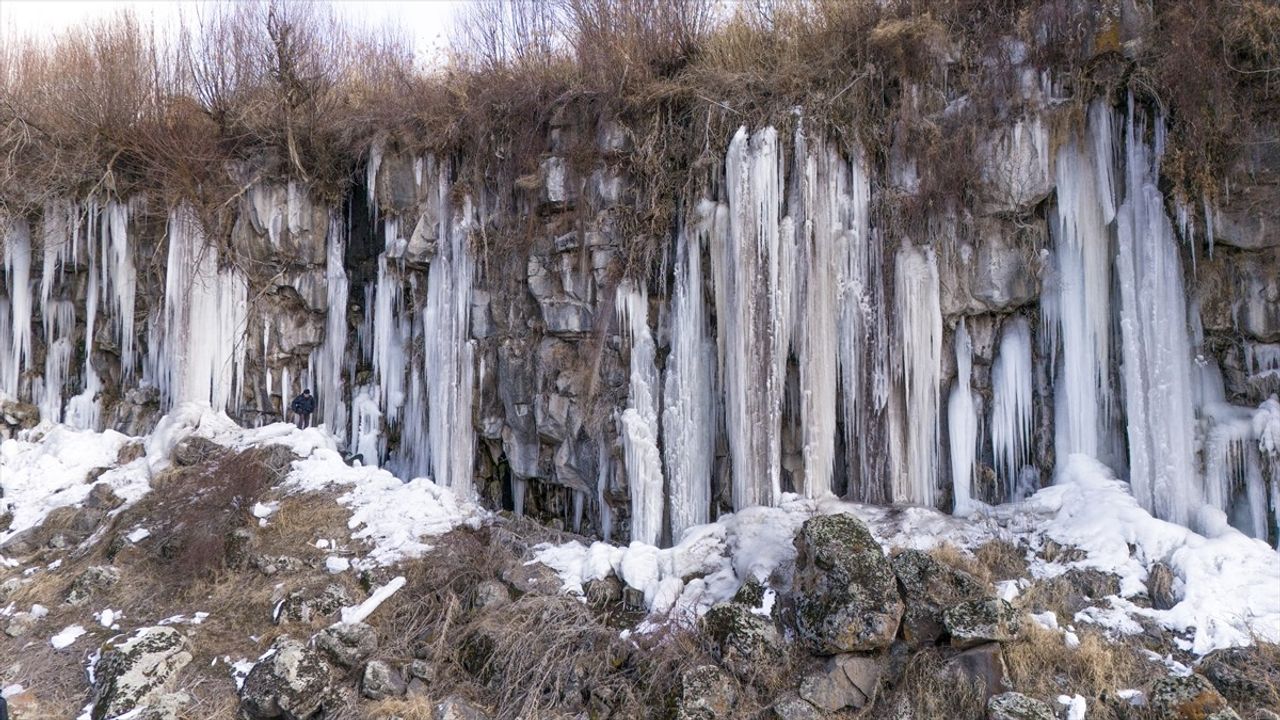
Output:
x=1159 y=403
x=818 y=212
x=1234 y=480
x=962 y=422
x=1011 y=418
x=639 y=422
x=753 y=264
x=332 y=360
x=119 y=280
x=920 y=313
x=688 y=417
x=198 y=349
x=1077 y=310
x=449 y=363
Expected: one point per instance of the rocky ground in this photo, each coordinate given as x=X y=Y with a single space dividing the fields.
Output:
x=210 y=572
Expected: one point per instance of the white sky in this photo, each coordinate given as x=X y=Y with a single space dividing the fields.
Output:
x=427 y=22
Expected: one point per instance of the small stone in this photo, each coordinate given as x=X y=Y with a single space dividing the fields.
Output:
x=90 y=582
x=1189 y=698
x=490 y=594
x=347 y=645
x=423 y=670
x=706 y=693
x=193 y=450
x=381 y=681
x=417 y=688
x=102 y=497
x=976 y=622
x=458 y=708
x=603 y=592
x=1016 y=706
x=21 y=624
x=307 y=606
x=1160 y=580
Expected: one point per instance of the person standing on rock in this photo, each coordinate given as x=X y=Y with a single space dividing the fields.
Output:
x=304 y=405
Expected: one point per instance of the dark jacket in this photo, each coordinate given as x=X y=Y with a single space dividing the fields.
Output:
x=4 y=709
x=303 y=405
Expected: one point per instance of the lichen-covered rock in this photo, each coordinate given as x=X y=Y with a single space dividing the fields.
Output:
x=706 y=693
x=1244 y=675
x=928 y=589
x=981 y=621
x=741 y=639
x=93 y=580
x=306 y=606
x=381 y=681
x=133 y=669
x=846 y=593
x=1189 y=698
x=1016 y=706
x=289 y=683
x=793 y=707
x=168 y=706
x=347 y=645
x=490 y=594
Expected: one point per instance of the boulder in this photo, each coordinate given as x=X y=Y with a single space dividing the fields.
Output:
x=347 y=645
x=290 y=682
x=132 y=670
x=454 y=707
x=1244 y=675
x=706 y=693
x=982 y=666
x=381 y=681
x=103 y=497
x=981 y=621
x=846 y=594
x=93 y=580
x=792 y=707
x=168 y=706
x=846 y=681
x=740 y=639
x=1160 y=582
x=1016 y=706
x=1189 y=698
x=928 y=589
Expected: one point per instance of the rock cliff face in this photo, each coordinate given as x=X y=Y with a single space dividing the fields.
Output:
x=473 y=332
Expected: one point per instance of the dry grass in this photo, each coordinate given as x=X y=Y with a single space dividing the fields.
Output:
x=962 y=560
x=927 y=689
x=1002 y=560
x=413 y=708
x=1041 y=665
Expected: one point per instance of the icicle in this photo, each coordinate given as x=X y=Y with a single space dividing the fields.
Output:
x=1011 y=418
x=639 y=422
x=449 y=361
x=388 y=340
x=17 y=271
x=1157 y=351
x=753 y=263
x=83 y=410
x=919 y=311
x=120 y=275
x=604 y=478
x=519 y=488
x=962 y=423
x=688 y=420
x=367 y=438
x=1080 y=301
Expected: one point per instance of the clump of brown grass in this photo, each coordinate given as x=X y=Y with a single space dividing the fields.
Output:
x=955 y=557
x=1002 y=560
x=1041 y=665
x=927 y=688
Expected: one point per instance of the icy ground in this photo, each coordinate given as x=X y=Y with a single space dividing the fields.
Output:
x=1229 y=583
x=47 y=467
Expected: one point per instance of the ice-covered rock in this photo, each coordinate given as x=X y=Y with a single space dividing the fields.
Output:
x=846 y=593
x=136 y=668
